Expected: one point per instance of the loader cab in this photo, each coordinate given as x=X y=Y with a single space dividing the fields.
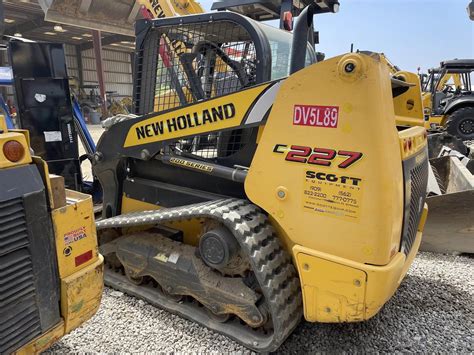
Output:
x=205 y=56
x=452 y=81
x=182 y=61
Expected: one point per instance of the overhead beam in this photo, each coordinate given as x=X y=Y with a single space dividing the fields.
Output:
x=25 y=27
x=107 y=41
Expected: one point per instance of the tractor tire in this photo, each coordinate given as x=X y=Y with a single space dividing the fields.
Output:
x=461 y=123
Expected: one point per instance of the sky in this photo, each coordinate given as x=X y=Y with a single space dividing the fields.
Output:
x=412 y=33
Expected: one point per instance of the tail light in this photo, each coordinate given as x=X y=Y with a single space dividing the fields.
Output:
x=13 y=151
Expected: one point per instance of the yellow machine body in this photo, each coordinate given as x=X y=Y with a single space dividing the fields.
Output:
x=347 y=253
x=79 y=265
x=409 y=106
x=80 y=286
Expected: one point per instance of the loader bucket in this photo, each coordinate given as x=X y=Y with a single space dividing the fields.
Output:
x=450 y=224
x=114 y=16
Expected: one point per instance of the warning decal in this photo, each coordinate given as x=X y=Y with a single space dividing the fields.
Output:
x=331 y=195
x=75 y=236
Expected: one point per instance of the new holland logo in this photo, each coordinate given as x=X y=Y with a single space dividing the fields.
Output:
x=190 y=120
x=203 y=117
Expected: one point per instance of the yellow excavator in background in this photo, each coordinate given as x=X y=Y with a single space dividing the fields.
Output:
x=51 y=273
x=119 y=16
x=115 y=16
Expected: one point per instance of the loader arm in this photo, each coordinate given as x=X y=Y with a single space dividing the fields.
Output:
x=456 y=81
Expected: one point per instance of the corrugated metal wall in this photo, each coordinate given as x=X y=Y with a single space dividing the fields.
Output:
x=71 y=60
x=117 y=71
x=117 y=68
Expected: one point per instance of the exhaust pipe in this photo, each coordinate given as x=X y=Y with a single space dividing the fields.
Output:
x=301 y=32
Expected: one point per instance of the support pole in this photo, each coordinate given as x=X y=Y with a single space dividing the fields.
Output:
x=80 y=73
x=100 y=70
x=132 y=63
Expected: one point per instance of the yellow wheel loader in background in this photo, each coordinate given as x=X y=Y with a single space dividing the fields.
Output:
x=249 y=191
x=448 y=98
x=51 y=274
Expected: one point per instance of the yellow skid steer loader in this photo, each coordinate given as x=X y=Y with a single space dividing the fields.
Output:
x=258 y=186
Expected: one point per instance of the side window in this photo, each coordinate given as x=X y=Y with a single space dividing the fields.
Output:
x=280 y=59
x=280 y=44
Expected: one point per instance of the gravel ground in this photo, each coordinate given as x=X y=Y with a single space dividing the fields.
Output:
x=432 y=312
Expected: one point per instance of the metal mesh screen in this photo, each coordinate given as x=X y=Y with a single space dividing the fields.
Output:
x=418 y=181
x=202 y=61
x=211 y=146
x=195 y=62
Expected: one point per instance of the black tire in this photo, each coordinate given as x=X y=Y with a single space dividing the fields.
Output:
x=461 y=123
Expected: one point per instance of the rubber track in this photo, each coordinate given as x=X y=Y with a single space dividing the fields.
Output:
x=271 y=263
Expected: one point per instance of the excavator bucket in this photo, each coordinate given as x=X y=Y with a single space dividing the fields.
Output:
x=450 y=227
x=114 y=16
